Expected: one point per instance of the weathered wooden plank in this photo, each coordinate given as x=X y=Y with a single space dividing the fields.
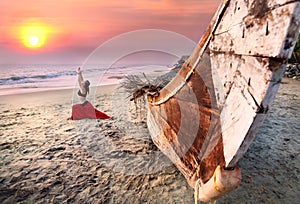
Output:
x=251 y=27
x=268 y=99
x=241 y=84
x=188 y=123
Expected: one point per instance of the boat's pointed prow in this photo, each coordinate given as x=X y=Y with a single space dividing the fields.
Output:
x=222 y=182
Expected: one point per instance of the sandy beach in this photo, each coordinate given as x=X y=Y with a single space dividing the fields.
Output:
x=45 y=158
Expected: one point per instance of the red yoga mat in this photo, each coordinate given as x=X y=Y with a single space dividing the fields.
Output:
x=86 y=110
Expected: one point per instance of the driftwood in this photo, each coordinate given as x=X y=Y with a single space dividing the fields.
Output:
x=209 y=113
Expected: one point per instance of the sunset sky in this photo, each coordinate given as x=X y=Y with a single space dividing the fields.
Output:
x=67 y=31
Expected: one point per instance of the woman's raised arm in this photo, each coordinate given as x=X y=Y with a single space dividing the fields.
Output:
x=80 y=80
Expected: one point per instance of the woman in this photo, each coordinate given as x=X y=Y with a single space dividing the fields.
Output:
x=85 y=109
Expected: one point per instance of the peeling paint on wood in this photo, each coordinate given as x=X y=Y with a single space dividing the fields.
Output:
x=249 y=24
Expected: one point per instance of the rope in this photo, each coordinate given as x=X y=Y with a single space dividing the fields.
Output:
x=201 y=52
x=196 y=192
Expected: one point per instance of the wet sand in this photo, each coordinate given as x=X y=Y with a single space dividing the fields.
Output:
x=45 y=158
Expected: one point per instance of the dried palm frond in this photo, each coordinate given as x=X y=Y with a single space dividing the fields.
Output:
x=139 y=85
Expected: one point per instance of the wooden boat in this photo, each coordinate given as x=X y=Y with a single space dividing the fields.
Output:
x=205 y=118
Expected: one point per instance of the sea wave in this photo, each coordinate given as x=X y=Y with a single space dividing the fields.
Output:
x=25 y=79
x=34 y=78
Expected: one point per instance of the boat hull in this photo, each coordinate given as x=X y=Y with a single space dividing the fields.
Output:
x=208 y=115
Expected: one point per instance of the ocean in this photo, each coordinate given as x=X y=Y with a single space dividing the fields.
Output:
x=16 y=79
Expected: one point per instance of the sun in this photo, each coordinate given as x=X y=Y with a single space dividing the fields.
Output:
x=34 y=40
x=34 y=35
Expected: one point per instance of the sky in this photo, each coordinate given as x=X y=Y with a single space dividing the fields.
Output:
x=67 y=31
